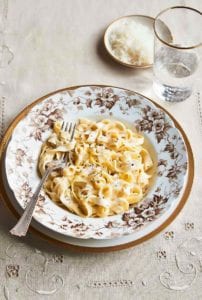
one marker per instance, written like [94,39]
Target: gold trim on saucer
[182,202]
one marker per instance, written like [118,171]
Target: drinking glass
[177,46]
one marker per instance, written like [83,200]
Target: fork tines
[70,128]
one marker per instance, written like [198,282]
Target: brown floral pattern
[24,193]
[21,158]
[153,120]
[145,212]
[44,117]
[106,99]
[94,101]
[20,154]
[40,203]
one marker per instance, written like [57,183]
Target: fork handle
[21,228]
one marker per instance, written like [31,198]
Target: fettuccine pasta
[108,169]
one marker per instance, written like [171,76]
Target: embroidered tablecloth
[47,45]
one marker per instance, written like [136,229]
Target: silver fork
[22,226]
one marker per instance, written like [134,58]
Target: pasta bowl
[173,161]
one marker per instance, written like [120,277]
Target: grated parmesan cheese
[132,43]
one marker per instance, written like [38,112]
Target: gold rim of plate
[132,66]
[187,189]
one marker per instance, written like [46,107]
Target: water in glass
[173,73]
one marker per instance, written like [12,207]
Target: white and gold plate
[173,158]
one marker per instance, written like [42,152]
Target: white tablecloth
[46,45]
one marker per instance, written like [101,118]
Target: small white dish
[146,23]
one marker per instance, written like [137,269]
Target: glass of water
[177,46]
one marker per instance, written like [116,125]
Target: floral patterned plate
[100,102]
